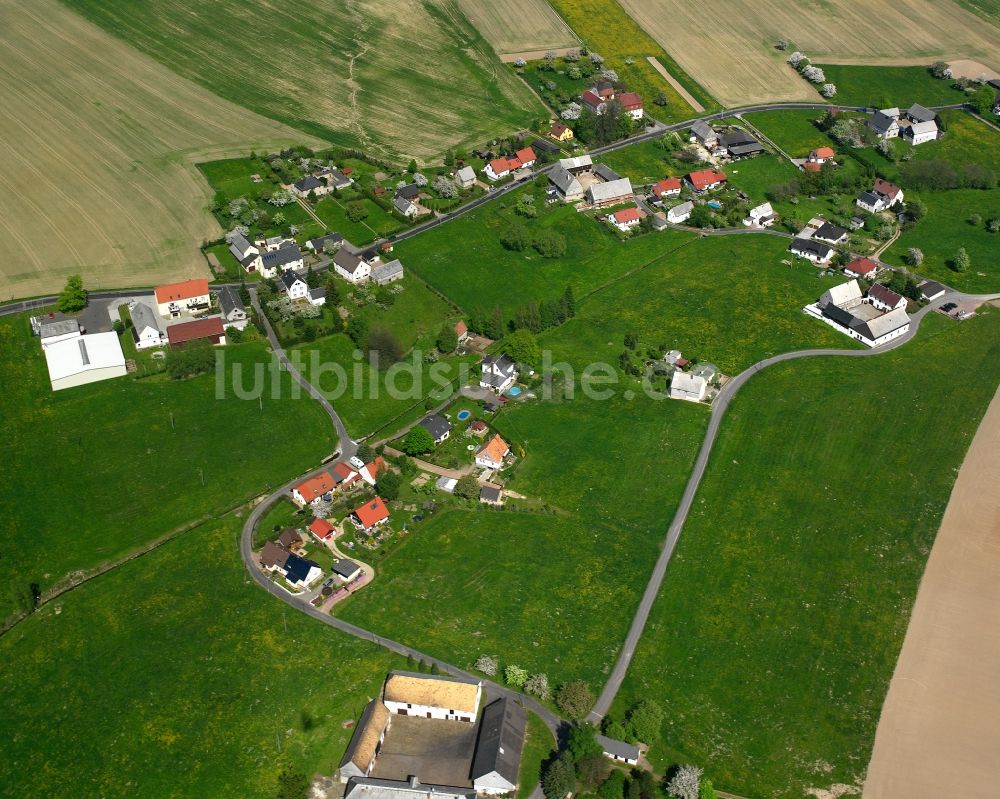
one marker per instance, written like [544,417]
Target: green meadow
[885,86]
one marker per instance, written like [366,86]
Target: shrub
[550,244]
[487,664]
[538,685]
[514,675]
[574,699]
[515,237]
[418,441]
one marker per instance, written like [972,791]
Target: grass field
[538,745]
[172,677]
[778,626]
[967,140]
[338,71]
[946,228]
[378,224]
[127,461]
[100,143]
[887,86]
[734,57]
[642,163]
[793,130]
[608,30]
[755,176]
[516,26]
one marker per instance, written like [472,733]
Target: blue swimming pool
[514,391]
[714,204]
[463,415]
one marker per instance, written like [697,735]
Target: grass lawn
[793,130]
[777,629]
[129,460]
[538,745]
[945,228]
[967,140]
[883,87]
[642,163]
[756,175]
[416,314]
[377,224]
[174,676]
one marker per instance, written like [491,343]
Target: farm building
[703,134]
[921,132]
[614,192]
[82,359]
[383,274]
[864,319]
[566,184]
[209,330]
[489,495]
[931,290]
[368,737]
[431,696]
[411,788]
[497,759]
[619,751]
[884,298]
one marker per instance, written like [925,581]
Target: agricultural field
[101,142]
[606,29]
[734,57]
[185,681]
[787,601]
[344,83]
[888,86]
[119,454]
[518,26]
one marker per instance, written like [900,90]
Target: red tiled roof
[822,152]
[347,170]
[628,215]
[185,290]
[316,486]
[706,177]
[862,266]
[590,98]
[460,328]
[342,472]
[558,129]
[191,331]
[630,101]
[668,184]
[885,188]
[885,294]
[526,156]
[372,512]
[376,467]
[321,528]
[500,165]
[495,449]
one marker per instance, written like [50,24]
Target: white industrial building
[85,359]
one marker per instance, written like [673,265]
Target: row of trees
[533,316]
[547,242]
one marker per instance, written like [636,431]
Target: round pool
[463,415]
[514,391]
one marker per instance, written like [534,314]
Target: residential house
[189,296]
[892,193]
[370,515]
[273,557]
[885,123]
[631,104]
[921,132]
[499,373]
[435,697]
[234,312]
[410,191]
[497,760]
[370,471]
[489,495]
[301,573]
[526,157]
[566,184]
[844,295]
[814,251]
[821,155]
[931,290]
[593,101]
[243,251]
[857,222]
[344,477]
[317,296]
[479,428]
[338,179]
[406,208]
[286,257]
[314,490]
[861,267]
[493,453]
[705,135]
[761,216]
[871,202]
[461,331]
[322,529]
[689,387]
[499,168]
[210,330]
[366,742]
[146,330]
[618,751]
[295,286]
[290,539]
[627,218]
[830,233]
[325,244]
[383,274]
[561,132]
[310,185]
[917,113]
[465,177]
[350,267]
[680,213]
[83,359]
[614,192]
[347,570]
[885,299]
[668,187]
[706,180]
[740,144]
[437,426]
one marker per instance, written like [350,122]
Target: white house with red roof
[312,491]
[821,155]
[668,187]
[370,471]
[322,529]
[461,331]
[493,453]
[344,476]
[861,267]
[173,299]
[499,168]
[627,218]
[706,180]
[631,104]
[370,515]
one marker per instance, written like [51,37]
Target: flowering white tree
[419,178]
[281,198]
[238,206]
[609,74]
[538,685]
[520,63]
[240,230]
[487,664]
[685,783]
[572,111]
[596,59]
[915,256]
[828,90]
[795,58]
[814,74]
[572,55]
[444,187]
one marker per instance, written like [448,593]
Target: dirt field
[972,69]
[938,734]
[734,57]
[99,143]
[514,26]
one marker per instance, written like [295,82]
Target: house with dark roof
[814,251]
[347,570]
[325,244]
[618,750]
[499,373]
[566,184]
[406,207]
[917,113]
[740,144]
[490,495]
[830,233]
[437,426]
[350,267]
[884,298]
[287,256]
[411,191]
[310,185]
[931,290]
[606,173]
[497,759]
[234,312]
[295,287]
[885,123]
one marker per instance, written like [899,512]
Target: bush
[515,237]
[644,720]
[575,699]
[613,787]
[418,441]
[356,211]
[196,358]
[514,675]
[487,664]
[550,244]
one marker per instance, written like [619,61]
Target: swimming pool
[463,415]
[714,204]
[514,391]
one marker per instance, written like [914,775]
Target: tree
[644,720]
[781,44]
[645,785]
[495,325]
[356,211]
[961,262]
[701,216]
[592,769]
[313,280]
[514,675]
[487,664]
[73,297]
[467,487]
[814,74]
[796,58]
[582,741]
[916,208]
[550,243]
[195,358]
[568,303]
[418,441]
[332,291]
[574,699]
[278,219]
[412,166]
[447,338]
[631,340]
[982,100]
[939,69]
[828,90]
[975,220]
[559,777]
[993,225]
[538,685]
[515,237]
[292,785]
[522,346]
[613,787]
[914,256]
[420,179]
[389,483]
[357,330]
[846,132]
[707,791]
[444,187]
[118,326]
[685,782]
[386,344]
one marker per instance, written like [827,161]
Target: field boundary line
[654,62]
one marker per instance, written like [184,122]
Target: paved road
[719,408]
